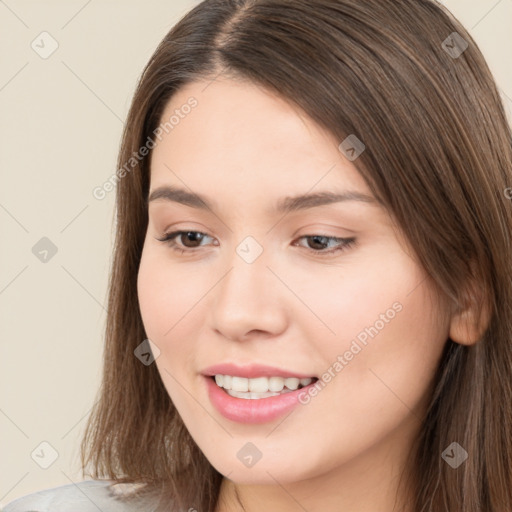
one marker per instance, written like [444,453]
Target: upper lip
[251,371]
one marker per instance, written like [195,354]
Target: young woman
[311,293]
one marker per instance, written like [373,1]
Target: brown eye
[191,237]
[190,240]
[320,241]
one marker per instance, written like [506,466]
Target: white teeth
[260,386]
[239,384]
[227,381]
[275,384]
[292,383]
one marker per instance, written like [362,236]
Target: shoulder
[86,496]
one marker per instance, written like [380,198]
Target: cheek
[385,325]
[172,312]
[389,355]
[166,293]
[150,290]
[406,352]
[162,302]
[360,300]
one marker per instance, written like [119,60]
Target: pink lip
[250,371]
[243,410]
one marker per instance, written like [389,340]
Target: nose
[249,301]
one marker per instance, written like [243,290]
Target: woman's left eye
[197,236]
[342,243]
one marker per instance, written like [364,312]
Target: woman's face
[321,289]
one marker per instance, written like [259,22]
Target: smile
[255,406]
[259,387]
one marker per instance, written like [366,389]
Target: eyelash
[346,243]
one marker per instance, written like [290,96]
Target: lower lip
[244,410]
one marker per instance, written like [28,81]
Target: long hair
[410,82]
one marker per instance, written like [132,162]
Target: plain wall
[60,127]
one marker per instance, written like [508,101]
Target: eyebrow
[285,205]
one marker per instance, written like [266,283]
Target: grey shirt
[86,496]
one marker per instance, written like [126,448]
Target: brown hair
[439,158]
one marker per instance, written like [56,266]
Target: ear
[470,319]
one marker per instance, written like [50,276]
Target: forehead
[241,139]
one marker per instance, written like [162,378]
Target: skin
[245,148]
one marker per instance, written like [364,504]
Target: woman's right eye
[170,239]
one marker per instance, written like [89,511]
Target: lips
[252,411]
[252,371]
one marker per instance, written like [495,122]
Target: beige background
[60,127]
